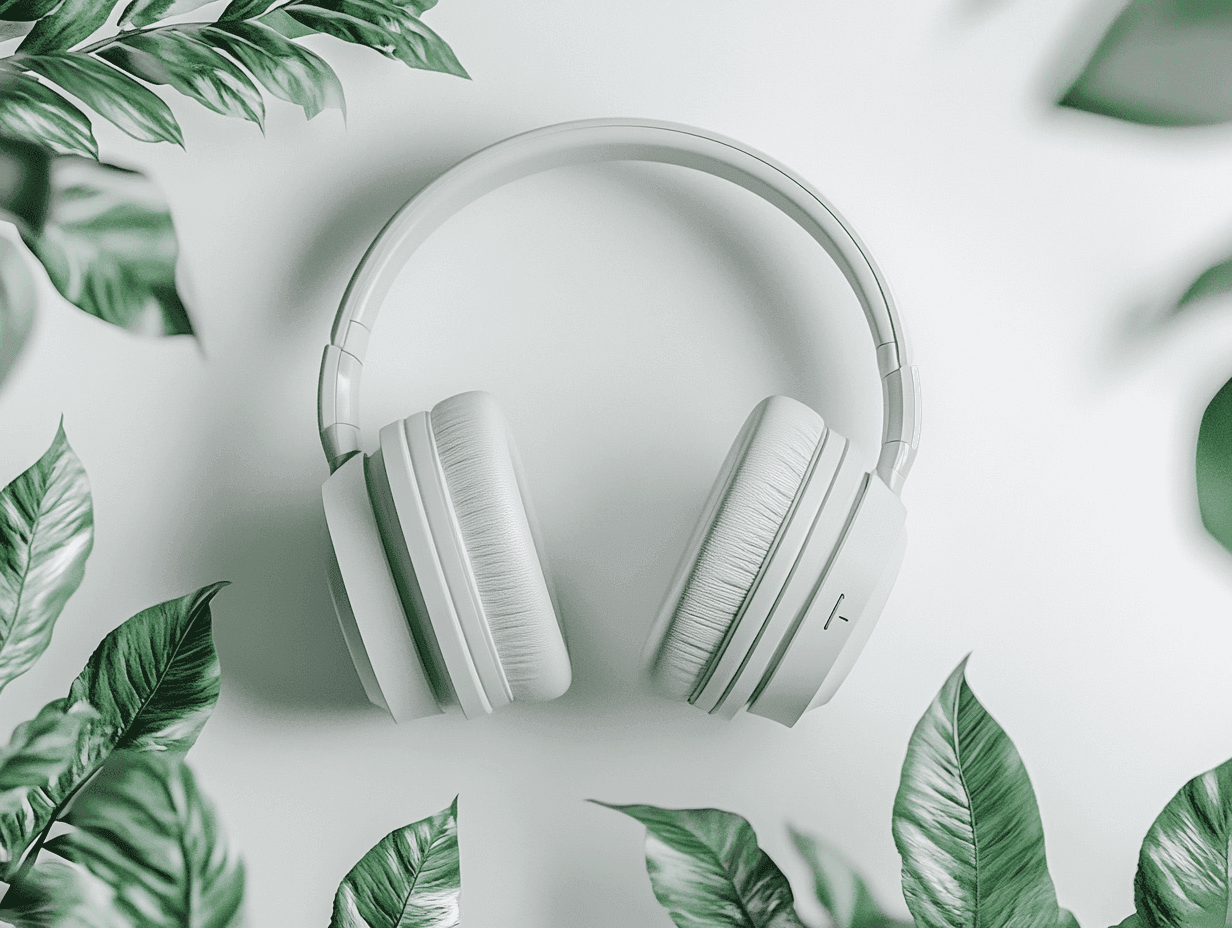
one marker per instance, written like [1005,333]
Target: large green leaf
[238,10]
[145,830]
[966,822]
[179,58]
[72,22]
[46,533]
[153,681]
[57,894]
[410,879]
[1213,466]
[1183,877]
[113,95]
[110,248]
[708,872]
[394,31]
[25,181]
[40,750]
[32,111]
[141,13]
[25,10]
[289,71]
[841,891]
[1163,63]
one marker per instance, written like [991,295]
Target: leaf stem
[37,845]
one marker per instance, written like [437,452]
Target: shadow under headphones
[436,573]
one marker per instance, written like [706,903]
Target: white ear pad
[744,514]
[477,459]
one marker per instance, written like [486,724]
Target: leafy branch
[218,63]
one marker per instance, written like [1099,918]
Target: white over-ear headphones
[436,574]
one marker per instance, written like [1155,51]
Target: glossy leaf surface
[179,58]
[110,248]
[40,750]
[966,822]
[46,533]
[153,681]
[1183,876]
[142,13]
[393,30]
[288,71]
[1213,466]
[841,891]
[113,95]
[32,111]
[73,21]
[1163,63]
[707,870]
[144,829]
[410,879]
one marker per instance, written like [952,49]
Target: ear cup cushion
[765,469]
[477,459]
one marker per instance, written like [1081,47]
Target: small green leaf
[1213,281]
[394,31]
[1213,466]
[142,13]
[32,111]
[179,58]
[410,879]
[841,891]
[57,894]
[145,830]
[72,22]
[153,682]
[708,872]
[1162,63]
[25,181]
[46,533]
[26,10]
[110,248]
[1183,874]
[289,71]
[40,750]
[114,96]
[966,822]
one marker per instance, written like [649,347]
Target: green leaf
[1131,922]
[1162,63]
[11,30]
[110,248]
[841,891]
[114,96]
[142,13]
[1183,876]
[966,822]
[57,894]
[25,10]
[72,22]
[46,533]
[410,879]
[17,302]
[708,872]
[1213,466]
[1213,281]
[25,181]
[238,10]
[145,829]
[153,682]
[289,71]
[179,58]
[284,25]
[392,30]
[32,111]
[40,750]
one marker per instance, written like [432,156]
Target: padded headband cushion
[767,465]
[472,440]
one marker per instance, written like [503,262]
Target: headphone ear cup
[743,516]
[481,473]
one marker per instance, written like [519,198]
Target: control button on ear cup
[475,452]
[744,515]
[367,602]
[842,609]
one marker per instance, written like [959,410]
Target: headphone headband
[613,140]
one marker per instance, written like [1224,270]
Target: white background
[628,318]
